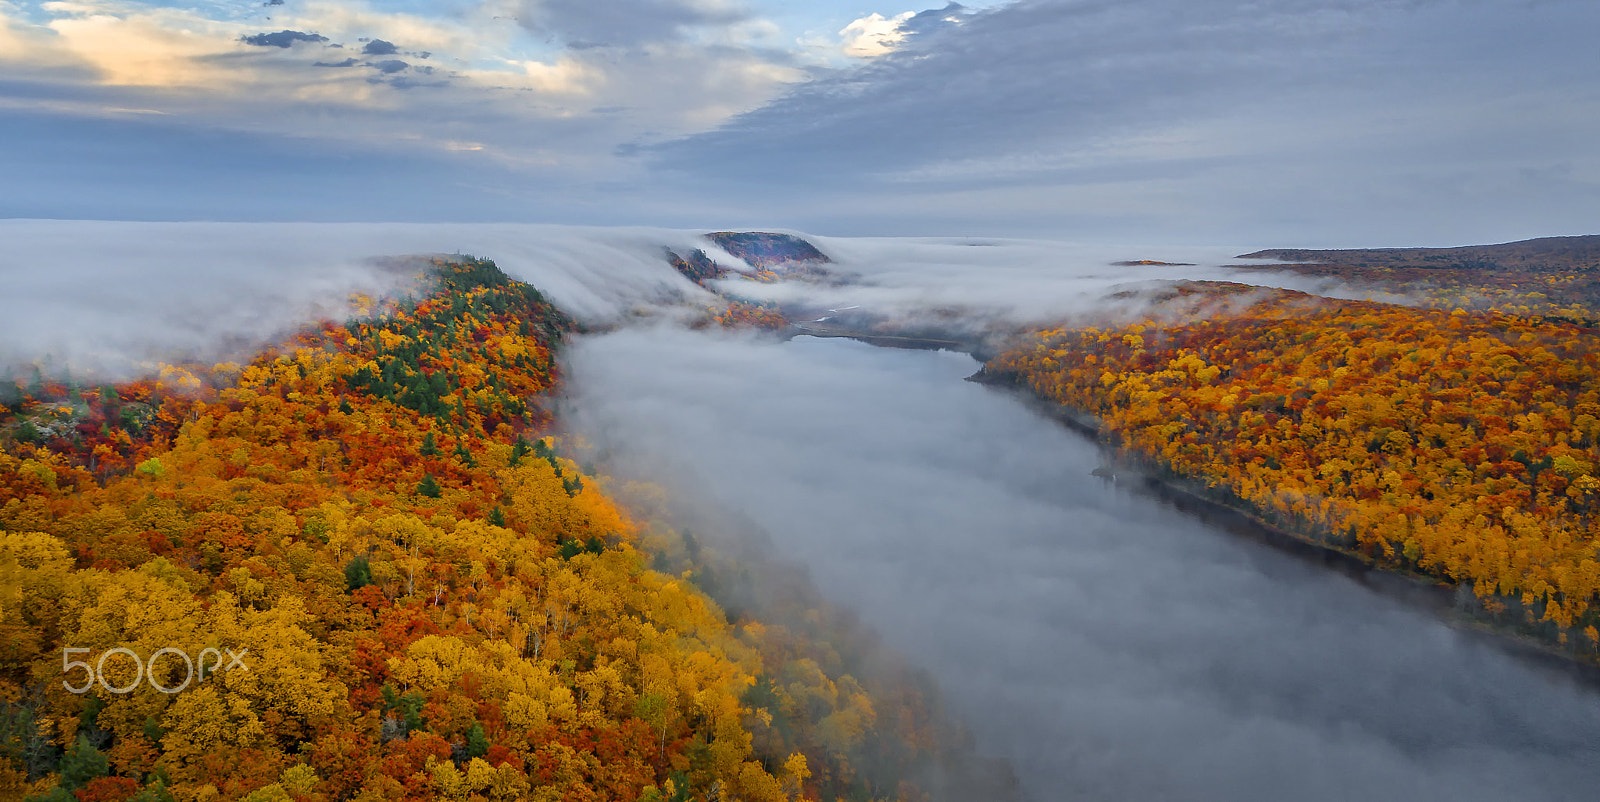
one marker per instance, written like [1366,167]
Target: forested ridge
[435,601]
[1458,445]
[1551,276]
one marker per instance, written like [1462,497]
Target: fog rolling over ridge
[112,297]
[1110,647]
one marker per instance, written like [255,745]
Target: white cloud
[873,35]
[24,43]
[117,46]
[567,76]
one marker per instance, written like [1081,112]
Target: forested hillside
[1555,276]
[426,599]
[1459,445]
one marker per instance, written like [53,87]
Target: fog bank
[107,296]
[1019,281]
[1110,647]
[111,297]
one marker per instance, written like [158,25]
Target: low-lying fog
[1110,647]
[111,297]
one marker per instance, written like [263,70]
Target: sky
[1314,123]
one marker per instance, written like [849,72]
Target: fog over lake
[1109,646]
[111,299]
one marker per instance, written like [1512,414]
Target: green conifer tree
[82,764]
[429,486]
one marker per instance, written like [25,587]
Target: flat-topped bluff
[763,249]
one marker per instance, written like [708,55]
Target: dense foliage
[435,603]
[1460,445]
[746,314]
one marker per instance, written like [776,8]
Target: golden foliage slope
[1463,446]
[434,605]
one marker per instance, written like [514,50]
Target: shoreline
[1453,605]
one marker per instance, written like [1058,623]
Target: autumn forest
[1459,446]
[370,563]
[435,600]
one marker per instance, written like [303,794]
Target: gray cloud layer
[1110,647]
[1300,123]
[282,39]
[1199,118]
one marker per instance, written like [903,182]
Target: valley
[764,517]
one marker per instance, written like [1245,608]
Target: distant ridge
[1545,253]
[1550,276]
